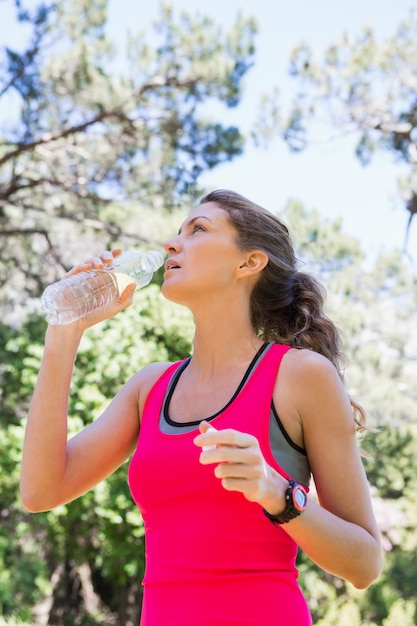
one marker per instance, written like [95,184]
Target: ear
[253,262]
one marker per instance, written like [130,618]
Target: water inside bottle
[81,293]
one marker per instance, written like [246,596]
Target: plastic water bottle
[73,297]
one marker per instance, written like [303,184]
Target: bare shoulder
[303,362]
[321,408]
[310,375]
[310,396]
[141,383]
[152,371]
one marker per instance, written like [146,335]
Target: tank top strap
[255,398]
[266,371]
[157,392]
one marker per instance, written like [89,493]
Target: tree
[98,140]
[83,562]
[93,137]
[87,558]
[367,88]
[91,141]
[376,308]
[360,86]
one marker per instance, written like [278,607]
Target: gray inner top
[291,457]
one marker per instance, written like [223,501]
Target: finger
[97,262]
[226,454]
[87,265]
[82,267]
[205,426]
[207,448]
[239,471]
[238,484]
[226,437]
[203,439]
[126,296]
[252,490]
[106,259]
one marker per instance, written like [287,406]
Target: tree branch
[156,82]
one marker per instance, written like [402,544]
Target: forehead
[209,211]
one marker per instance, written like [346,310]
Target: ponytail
[287,306]
[302,323]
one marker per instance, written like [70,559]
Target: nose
[172,245]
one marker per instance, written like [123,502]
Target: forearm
[337,546]
[45,445]
[346,549]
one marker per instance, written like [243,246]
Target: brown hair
[287,306]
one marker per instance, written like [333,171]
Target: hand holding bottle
[99,288]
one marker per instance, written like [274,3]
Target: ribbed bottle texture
[73,297]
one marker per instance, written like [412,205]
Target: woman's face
[203,257]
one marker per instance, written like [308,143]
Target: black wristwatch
[295,504]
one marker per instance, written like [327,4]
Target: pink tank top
[212,557]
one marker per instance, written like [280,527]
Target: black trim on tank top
[178,373]
[284,432]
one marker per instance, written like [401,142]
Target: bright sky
[327,176]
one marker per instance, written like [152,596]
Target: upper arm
[321,407]
[101,447]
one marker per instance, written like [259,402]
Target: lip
[171,264]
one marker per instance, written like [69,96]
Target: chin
[171,293]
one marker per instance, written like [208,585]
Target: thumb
[126,296]
[204,427]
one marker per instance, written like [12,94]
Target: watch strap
[290,511]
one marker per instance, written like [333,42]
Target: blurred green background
[105,145]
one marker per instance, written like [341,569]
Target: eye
[197,227]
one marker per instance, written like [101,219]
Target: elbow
[33,509]
[32,501]
[363,582]
[369,573]
[30,504]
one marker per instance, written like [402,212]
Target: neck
[224,337]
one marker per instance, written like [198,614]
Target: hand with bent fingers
[104,261]
[241,466]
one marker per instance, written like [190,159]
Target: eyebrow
[192,220]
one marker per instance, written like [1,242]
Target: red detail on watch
[295,504]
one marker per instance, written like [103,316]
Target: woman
[227,438]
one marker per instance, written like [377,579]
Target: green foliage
[402,612]
[100,153]
[322,246]
[377,309]
[19,587]
[102,146]
[103,530]
[345,614]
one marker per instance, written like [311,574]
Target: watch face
[299,498]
